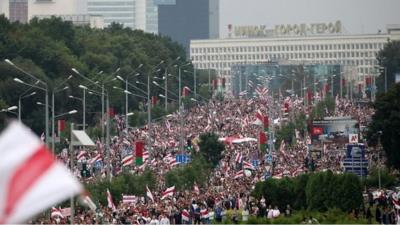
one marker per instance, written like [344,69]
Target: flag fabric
[185,215]
[265,121]
[242,93]
[87,201]
[396,200]
[129,199]
[61,127]
[110,201]
[262,139]
[169,192]
[238,158]
[127,160]
[139,146]
[82,155]
[28,173]
[185,91]
[96,158]
[204,213]
[239,174]
[173,162]
[248,166]
[56,213]
[259,118]
[145,155]
[149,194]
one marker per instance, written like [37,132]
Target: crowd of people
[226,194]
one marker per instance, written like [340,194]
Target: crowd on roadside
[226,194]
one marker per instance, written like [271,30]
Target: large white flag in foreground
[31,180]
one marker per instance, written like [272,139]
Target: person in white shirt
[154,221]
[245,214]
[164,220]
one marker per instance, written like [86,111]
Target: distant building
[320,43]
[136,14]
[68,10]
[185,20]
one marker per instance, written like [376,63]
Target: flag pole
[71,150]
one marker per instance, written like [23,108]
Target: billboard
[334,129]
[355,161]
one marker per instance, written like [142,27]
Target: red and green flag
[262,140]
[266,123]
[61,128]
[139,145]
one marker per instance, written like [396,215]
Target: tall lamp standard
[149,103]
[126,89]
[22,96]
[45,89]
[104,92]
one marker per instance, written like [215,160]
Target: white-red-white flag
[239,174]
[31,180]
[169,192]
[149,194]
[110,202]
[185,215]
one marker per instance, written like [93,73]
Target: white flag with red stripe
[149,194]
[127,160]
[169,192]
[30,179]
[56,213]
[185,215]
[239,174]
[110,201]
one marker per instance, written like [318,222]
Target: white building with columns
[353,50]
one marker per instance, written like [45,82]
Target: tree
[387,121]
[211,148]
[389,59]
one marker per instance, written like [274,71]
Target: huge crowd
[227,189]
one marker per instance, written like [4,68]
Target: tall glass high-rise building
[136,14]
[185,20]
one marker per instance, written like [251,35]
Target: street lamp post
[104,92]
[45,89]
[20,102]
[84,88]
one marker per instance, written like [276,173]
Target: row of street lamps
[41,85]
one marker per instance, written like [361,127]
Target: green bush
[184,177]
[387,179]
[211,148]
[315,192]
[124,184]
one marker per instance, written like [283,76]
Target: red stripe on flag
[25,176]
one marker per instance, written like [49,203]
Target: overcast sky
[357,16]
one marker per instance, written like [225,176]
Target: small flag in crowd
[127,160]
[149,194]
[56,213]
[262,139]
[129,199]
[238,158]
[204,213]
[110,202]
[248,166]
[185,215]
[169,192]
[27,175]
[139,146]
[239,174]
[82,155]
[86,200]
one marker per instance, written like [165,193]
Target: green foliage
[388,180]
[315,192]
[389,58]
[387,120]
[323,108]
[49,48]
[124,184]
[287,131]
[184,177]
[211,148]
